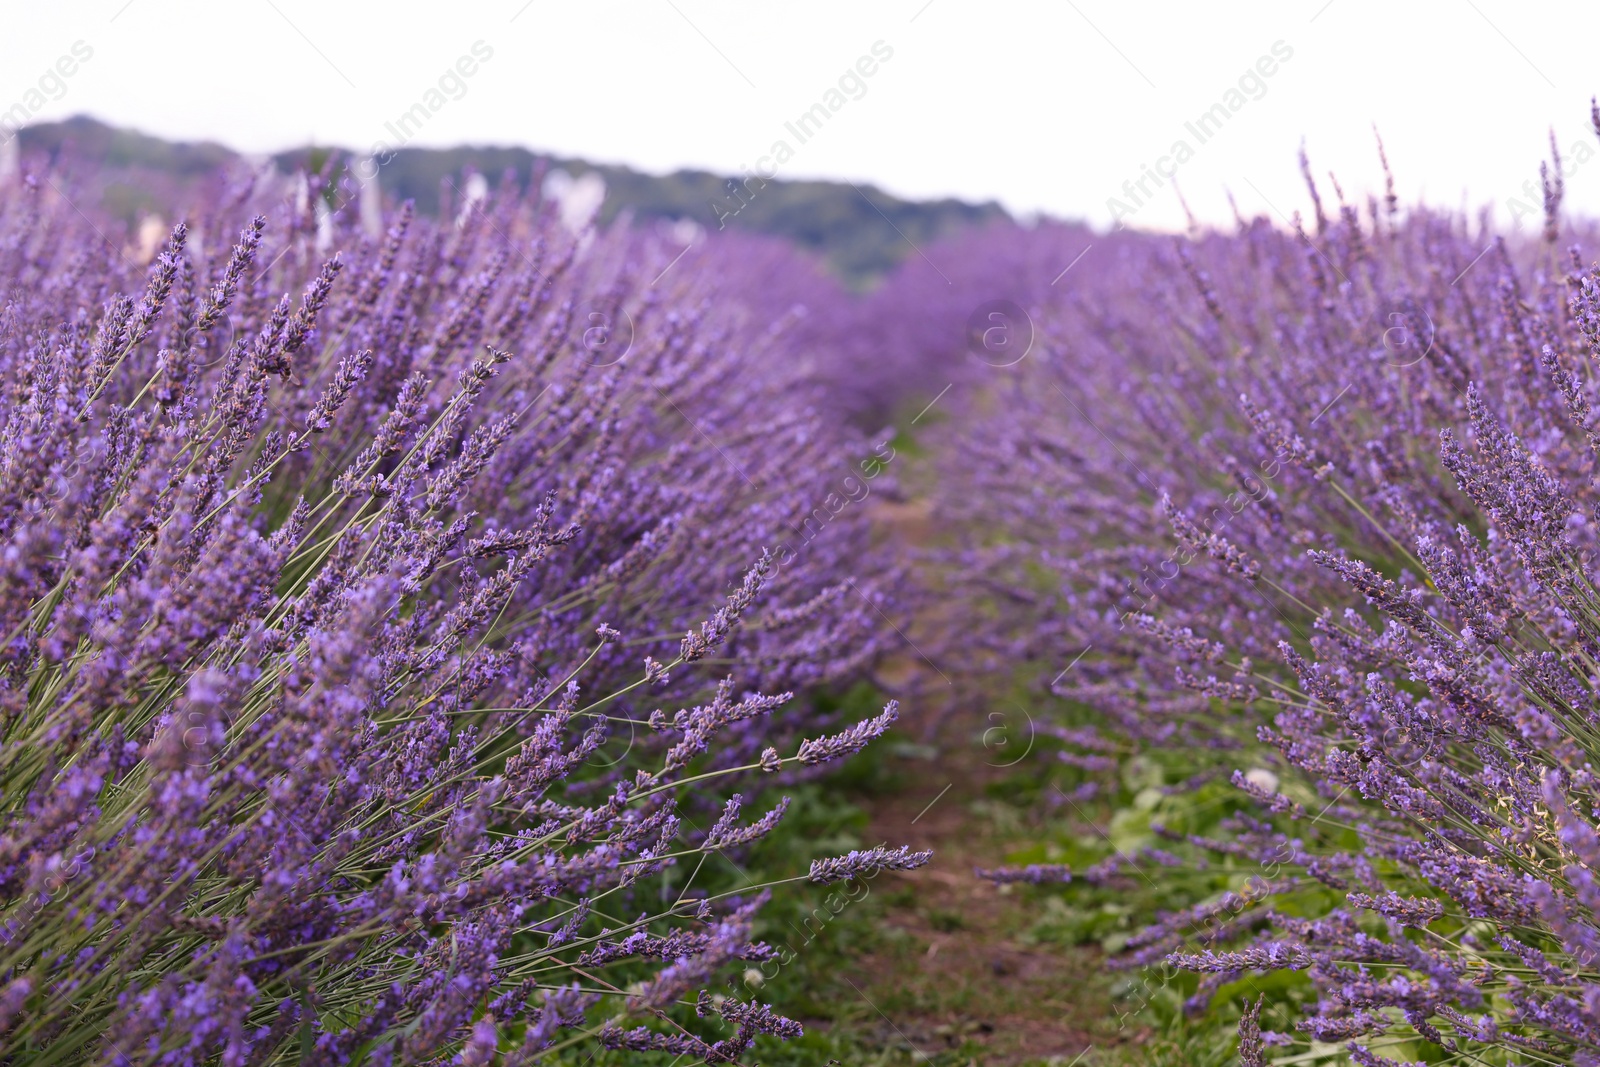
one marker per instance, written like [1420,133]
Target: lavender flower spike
[1033,873]
[1250,1051]
[864,863]
[852,740]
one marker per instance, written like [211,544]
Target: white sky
[1045,107]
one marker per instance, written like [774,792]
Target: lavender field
[518,622]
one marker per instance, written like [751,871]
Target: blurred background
[1087,110]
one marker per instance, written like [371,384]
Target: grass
[925,967]
[939,967]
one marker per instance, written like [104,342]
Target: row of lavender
[1318,507]
[360,643]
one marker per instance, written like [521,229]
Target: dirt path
[957,973]
[956,978]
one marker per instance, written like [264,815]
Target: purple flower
[324,728]
[866,863]
[853,740]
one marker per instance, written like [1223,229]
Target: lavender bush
[386,613]
[360,645]
[1317,510]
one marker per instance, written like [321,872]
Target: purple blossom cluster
[1319,503]
[367,608]
[378,615]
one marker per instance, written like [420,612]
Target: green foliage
[114,147]
[823,820]
[855,231]
[861,232]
